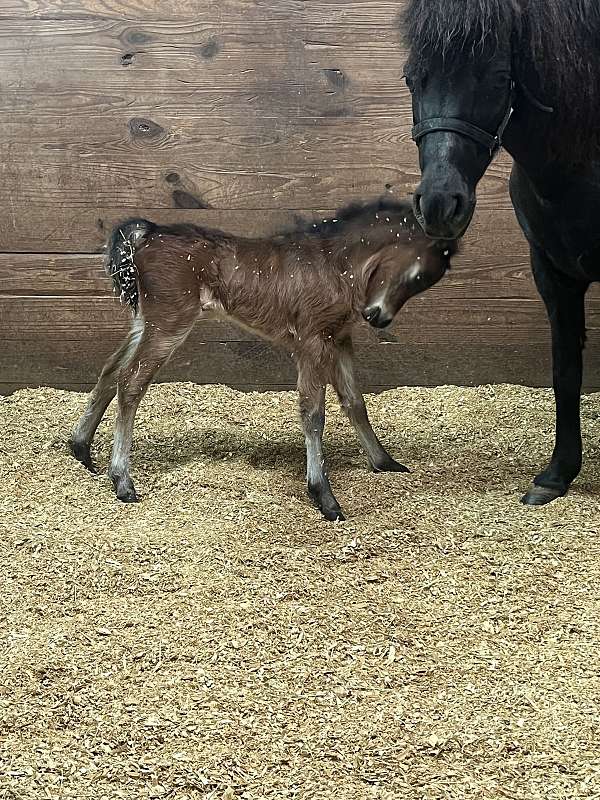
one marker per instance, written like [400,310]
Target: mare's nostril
[417,205]
[460,204]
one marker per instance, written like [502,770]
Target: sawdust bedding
[220,640]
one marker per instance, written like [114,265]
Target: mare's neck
[526,140]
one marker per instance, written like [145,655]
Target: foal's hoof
[125,491]
[128,496]
[333,514]
[542,495]
[82,453]
[390,466]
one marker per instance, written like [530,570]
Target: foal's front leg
[312,413]
[352,402]
[565,303]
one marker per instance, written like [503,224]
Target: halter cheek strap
[491,142]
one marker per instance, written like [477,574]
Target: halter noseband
[491,142]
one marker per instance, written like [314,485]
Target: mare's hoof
[390,466]
[82,453]
[542,495]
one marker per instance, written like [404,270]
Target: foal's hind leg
[312,413]
[353,403]
[101,397]
[154,350]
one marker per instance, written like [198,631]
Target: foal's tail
[122,245]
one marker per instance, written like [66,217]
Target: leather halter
[491,141]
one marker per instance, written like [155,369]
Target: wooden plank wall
[241,114]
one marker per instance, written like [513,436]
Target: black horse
[524,74]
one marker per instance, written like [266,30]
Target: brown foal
[303,290]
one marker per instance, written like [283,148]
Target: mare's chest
[565,223]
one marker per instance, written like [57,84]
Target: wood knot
[138,37]
[336,78]
[144,128]
[210,48]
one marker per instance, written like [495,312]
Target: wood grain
[474,276]
[242,115]
[366,12]
[290,109]
[243,364]
[62,228]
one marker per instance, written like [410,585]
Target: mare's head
[460,76]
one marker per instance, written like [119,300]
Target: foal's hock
[303,290]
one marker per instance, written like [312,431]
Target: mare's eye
[410,82]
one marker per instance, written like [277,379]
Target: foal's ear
[371,263]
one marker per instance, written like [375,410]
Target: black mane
[555,42]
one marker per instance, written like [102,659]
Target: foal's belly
[217,313]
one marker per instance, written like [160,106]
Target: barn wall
[241,114]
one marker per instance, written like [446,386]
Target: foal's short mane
[357,214]
[558,39]
[352,215]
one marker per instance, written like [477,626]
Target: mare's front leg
[565,303]
[352,402]
[312,413]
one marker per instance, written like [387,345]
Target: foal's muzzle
[376,317]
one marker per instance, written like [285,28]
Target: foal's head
[399,272]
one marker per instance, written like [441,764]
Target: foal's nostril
[371,314]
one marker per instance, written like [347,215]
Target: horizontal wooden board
[425,320]
[243,364]
[80,174]
[363,11]
[277,103]
[475,275]
[68,229]
[230,53]
[484,324]
[429,319]
[61,228]
[169,154]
